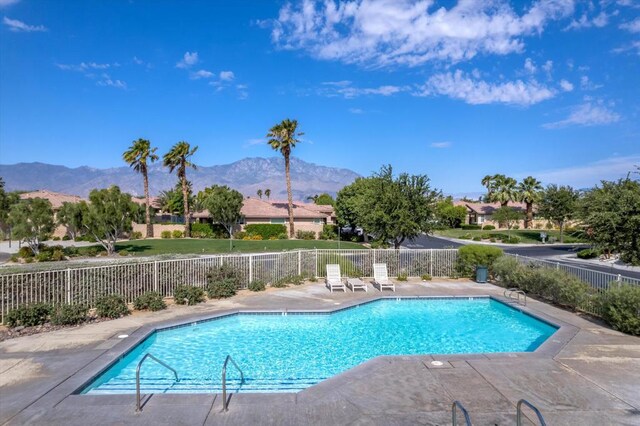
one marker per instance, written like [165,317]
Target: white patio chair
[381,277]
[334,280]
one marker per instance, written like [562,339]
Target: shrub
[92,252]
[305,235]
[222,281]
[165,234]
[253,237]
[256,285]
[329,232]
[136,235]
[69,315]
[473,255]
[111,306]
[516,227]
[621,308]
[588,254]
[240,235]
[283,236]
[488,227]
[43,256]
[485,236]
[14,258]
[477,238]
[66,238]
[465,237]
[511,240]
[149,300]
[470,227]
[188,295]
[493,240]
[221,289]
[549,225]
[426,277]
[28,315]
[176,234]
[285,281]
[265,230]
[57,255]
[123,253]
[55,239]
[402,276]
[25,252]
[209,230]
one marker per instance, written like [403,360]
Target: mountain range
[246,175]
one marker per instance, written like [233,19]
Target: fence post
[619,280]
[431,262]
[299,262]
[316,251]
[557,265]
[155,276]
[250,268]
[68,286]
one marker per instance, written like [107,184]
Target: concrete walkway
[591,377]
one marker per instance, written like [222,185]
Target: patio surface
[587,375]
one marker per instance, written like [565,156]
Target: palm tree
[138,156]
[178,159]
[529,192]
[259,192]
[313,198]
[501,189]
[267,193]
[283,137]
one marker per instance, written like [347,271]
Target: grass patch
[200,246]
[528,236]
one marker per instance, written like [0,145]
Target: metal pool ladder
[454,414]
[225,403]
[535,410]
[144,358]
[509,294]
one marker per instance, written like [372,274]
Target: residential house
[481,213]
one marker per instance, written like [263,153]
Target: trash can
[482,272]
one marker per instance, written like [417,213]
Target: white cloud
[632,26]
[341,83]
[598,21]
[406,32]
[440,145]
[19,26]
[587,175]
[459,86]
[548,66]
[105,80]
[633,46]
[356,111]
[188,60]
[87,66]
[346,90]
[226,75]
[566,85]
[586,84]
[4,3]
[201,74]
[588,114]
[529,66]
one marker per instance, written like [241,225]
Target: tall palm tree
[283,137]
[178,158]
[138,156]
[501,189]
[529,192]
[259,192]
[267,193]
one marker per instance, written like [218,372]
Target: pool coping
[77,382]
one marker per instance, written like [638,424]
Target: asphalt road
[542,251]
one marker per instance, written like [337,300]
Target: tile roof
[489,208]
[255,208]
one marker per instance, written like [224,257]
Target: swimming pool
[288,353]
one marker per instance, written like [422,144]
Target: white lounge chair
[381,277]
[334,280]
[357,283]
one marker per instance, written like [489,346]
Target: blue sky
[455,90]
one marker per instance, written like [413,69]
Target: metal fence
[130,280]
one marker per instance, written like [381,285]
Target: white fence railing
[130,280]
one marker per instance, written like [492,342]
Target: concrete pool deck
[589,376]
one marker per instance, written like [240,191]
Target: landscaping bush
[123,253]
[14,258]
[470,227]
[69,315]
[149,300]
[253,237]
[516,227]
[55,239]
[176,234]
[426,277]
[329,232]
[285,281]
[28,315]
[223,281]
[282,236]
[511,240]
[25,252]
[472,255]
[485,236]
[136,235]
[43,256]
[92,252]
[477,238]
[402,276]
[621,308]
[66,238]
[111,306]
[265,230]
[488,227]
[257,285]
[588,254]
[305,235]
[209,230]
[465,237]
[165,234]
[57,255]
[188,295]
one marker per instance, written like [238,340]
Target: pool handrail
[225,403]
[509,291]
[162,363]
[535,410]
[454,413]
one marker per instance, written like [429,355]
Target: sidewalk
[615,265]
[489,243]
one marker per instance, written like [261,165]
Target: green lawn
[528,236]
[200,246]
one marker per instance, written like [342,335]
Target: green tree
[7,199]
[178,158]
[32,222]
[283,137]
[507,215]
[109,215]
[449,215]
[393,209]
[172,200]
[138,156]
[267,193]
[611,214]
[558,204]
[324,199]
[500,189]
[224,205]
[530,192]
[71,215]
[259,193]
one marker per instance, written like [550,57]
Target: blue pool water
[280,353]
